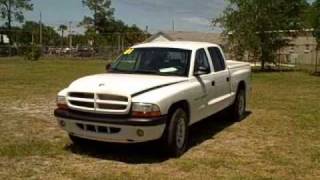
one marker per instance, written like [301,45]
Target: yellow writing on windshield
[128,51]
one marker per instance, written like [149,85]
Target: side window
[217,59]
[201,60]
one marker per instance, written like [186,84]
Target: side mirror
[108,67]
[201,71]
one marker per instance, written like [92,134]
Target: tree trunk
[262,64]
[316,64]
[264,53]
[264,58]
[62,36]
[9,27]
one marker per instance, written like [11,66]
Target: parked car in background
[154,91]
[66,50]
[85,52]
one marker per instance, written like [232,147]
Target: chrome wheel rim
[181,131]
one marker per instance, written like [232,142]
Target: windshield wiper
[146,72]
[116,70]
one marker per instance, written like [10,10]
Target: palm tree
[62,28]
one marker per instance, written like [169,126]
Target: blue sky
[188,15]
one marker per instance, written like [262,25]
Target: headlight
[62,102]
[145,110]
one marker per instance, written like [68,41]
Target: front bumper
[110,129]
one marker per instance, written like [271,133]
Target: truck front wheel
[176,134]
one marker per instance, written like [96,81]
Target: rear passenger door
[220,92]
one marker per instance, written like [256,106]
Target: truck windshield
[155,61]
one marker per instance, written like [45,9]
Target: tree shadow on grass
[152,152]
[316,73]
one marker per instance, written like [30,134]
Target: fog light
[62,123]
[140,132]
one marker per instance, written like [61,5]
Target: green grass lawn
[280,138]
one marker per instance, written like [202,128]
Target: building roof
[154,36]
[210,37]
[176,44]
[303,37]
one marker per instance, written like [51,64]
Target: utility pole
[95,23]
[32,48]
[95,16]
[40,29]
[70,35]
[173,25]
[317,53]
[32,38]
[119,42]
[122,42]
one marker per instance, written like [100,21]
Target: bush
[6,51]
[32,53]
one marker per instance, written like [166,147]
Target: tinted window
[201,59]
[217,59]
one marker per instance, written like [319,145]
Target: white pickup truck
[154,91]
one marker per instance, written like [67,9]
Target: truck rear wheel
[176,134]
[238,109]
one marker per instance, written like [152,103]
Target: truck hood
[121,84]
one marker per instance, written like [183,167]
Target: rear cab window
[217,59]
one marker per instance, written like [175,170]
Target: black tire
[77,140]
[238,109]
[176,134]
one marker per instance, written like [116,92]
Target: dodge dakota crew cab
[154,91]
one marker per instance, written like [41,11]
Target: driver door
[203,84]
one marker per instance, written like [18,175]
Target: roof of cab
[189,45]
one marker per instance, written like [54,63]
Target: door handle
[213,83]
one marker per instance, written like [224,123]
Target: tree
[102,13]
[13,10]
[257,26]
[62,28]
[50,36]
[80,40]
[104,29]
[314,21]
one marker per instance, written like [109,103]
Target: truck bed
[236,64]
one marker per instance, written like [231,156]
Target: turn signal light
[61,102]
[145,110]
[62,106]
[146,114]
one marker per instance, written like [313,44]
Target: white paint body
[203,99]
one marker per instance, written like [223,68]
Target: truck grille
[82,104]
[82,95]
[101,103]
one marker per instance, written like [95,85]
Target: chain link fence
[104,46]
